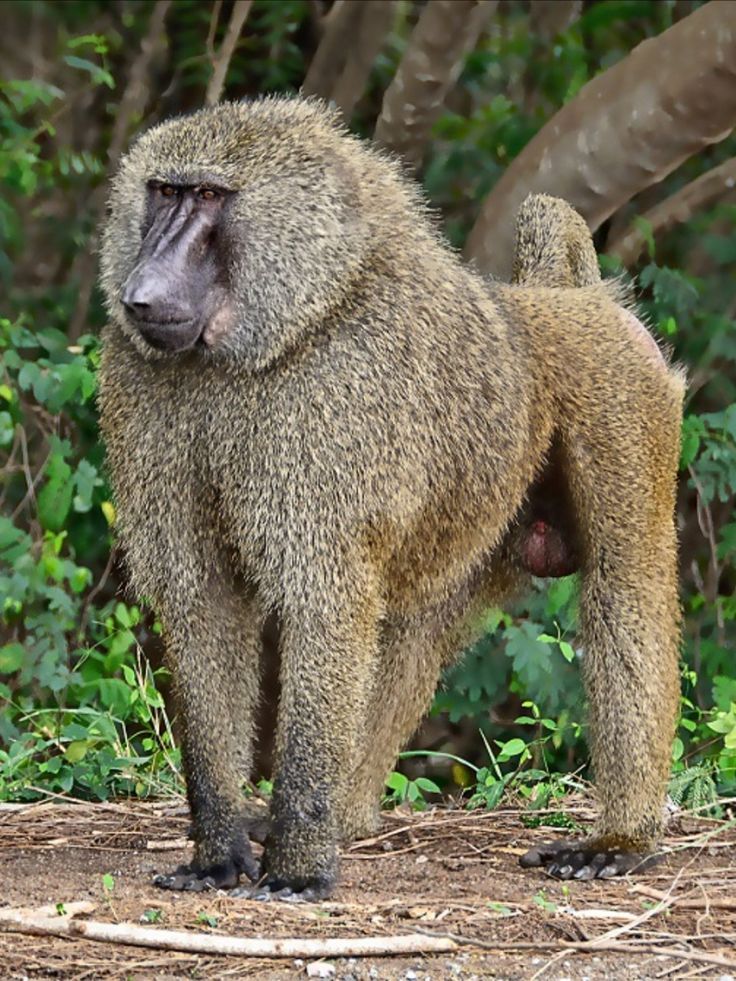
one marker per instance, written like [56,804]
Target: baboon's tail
[553,245]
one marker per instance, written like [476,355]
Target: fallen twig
[686,902]
[592,946]
[168,845]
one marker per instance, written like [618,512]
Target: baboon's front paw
[279,889]
[193,878]
[200,876]
[585,859]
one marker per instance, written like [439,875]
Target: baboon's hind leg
[409,669]
[624,501]
[413,656]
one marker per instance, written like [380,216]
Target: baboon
[315,413]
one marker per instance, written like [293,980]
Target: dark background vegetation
[485,101]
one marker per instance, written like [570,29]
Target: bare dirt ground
[446,872]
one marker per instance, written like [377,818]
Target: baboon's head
[234,230]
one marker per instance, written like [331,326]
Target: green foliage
[81,714]
[403,790]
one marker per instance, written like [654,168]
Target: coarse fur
[350,455]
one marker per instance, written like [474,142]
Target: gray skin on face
[315,414]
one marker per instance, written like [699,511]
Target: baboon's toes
[585,859]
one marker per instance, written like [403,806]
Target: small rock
[320,969]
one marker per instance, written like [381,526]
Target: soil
[442,872]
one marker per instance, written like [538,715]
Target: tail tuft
[553,245]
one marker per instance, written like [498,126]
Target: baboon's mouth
[171,335]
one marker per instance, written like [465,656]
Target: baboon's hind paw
[585,859]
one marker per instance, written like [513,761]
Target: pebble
[320,969]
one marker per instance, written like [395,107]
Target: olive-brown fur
[350,457]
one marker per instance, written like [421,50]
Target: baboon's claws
[585,859]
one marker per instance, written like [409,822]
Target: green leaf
[427,785]
[100,76]
[567,651]
[122,615]
[514,747]
[7,429]
[114,694]
[86,478]
[55,497]
[75,752]
[397,782]
[11,658]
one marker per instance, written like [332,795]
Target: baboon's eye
[168,190]
[207,194]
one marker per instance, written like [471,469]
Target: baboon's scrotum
[313,409]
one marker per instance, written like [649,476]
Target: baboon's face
[177,295]
[232,231]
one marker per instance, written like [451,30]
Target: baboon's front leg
[212,649]
[328,651]
[630,621]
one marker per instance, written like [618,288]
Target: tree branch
[375,22]
[548,18]
[221,61]
[675,210]
[341,26]
[446,32]
[626,129]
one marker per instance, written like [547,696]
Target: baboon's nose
[161,312]
[148,298]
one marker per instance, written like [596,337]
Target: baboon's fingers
[585,859]
[191,878]
[266,892]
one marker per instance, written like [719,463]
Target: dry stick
[675,210]
[35,924]
[97,589]
[132,104]
[447,31]
[686,902]
[221,61]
